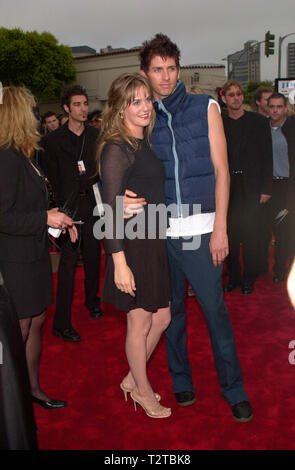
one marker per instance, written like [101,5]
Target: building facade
[203,78]
[95,72]
[291,60]
[244,65]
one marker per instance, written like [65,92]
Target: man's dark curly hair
[47,115]
[69,92]
[159,45]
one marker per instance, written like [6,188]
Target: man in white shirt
[188,137]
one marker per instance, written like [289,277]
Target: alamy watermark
[292,353]
[150,223]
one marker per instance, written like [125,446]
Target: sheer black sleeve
[114,164]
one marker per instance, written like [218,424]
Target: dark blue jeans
[197,267]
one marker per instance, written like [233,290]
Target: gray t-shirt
[280,152]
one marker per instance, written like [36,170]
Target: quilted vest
[180,139]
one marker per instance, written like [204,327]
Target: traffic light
[269,44]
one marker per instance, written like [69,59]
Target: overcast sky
[205,31]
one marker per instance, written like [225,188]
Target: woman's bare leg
[160,321]
[139,323]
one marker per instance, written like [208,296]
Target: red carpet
[87,375]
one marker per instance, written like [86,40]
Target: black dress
[144,242]
[17,424]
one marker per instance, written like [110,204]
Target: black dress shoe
[185,398]
[242,412]
[278,278]
[96,312]
[68,334]
[247,287]
[231,286]
[50,404]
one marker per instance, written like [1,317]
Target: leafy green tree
[36,61]
[251,88]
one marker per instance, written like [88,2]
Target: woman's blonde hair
[18,124]
[121,94]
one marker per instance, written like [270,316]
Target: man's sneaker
[242,412]
[185,398]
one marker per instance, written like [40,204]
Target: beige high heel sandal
[161,412]
[129,390]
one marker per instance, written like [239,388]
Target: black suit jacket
[288,130]
[23,206]
[59,162]
[255,153]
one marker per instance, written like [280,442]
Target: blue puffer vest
[180,139]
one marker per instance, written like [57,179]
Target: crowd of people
[227,172]
[50,121]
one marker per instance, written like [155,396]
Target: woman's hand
[123,276]
[73,232]
[124,280]
[58,219]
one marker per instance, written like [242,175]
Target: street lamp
[281,39]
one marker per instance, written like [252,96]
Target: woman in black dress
[24,255]
[17,424]
[137,274]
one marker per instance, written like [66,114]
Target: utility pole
[281,39]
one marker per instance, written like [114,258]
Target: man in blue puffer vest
[188,137]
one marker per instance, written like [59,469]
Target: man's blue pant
[197,267]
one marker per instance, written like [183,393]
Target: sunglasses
[232,94]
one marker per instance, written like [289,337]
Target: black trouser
[91,251]
[264,240]
[242,229]
[281,230]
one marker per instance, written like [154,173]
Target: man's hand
[218,247]
[132,204]
[264,198]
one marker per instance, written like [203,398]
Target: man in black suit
[70,164]
[261,96]
[282,201]
[288,130]
[50,122]
[250,162]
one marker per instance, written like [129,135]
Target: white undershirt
[197,224]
